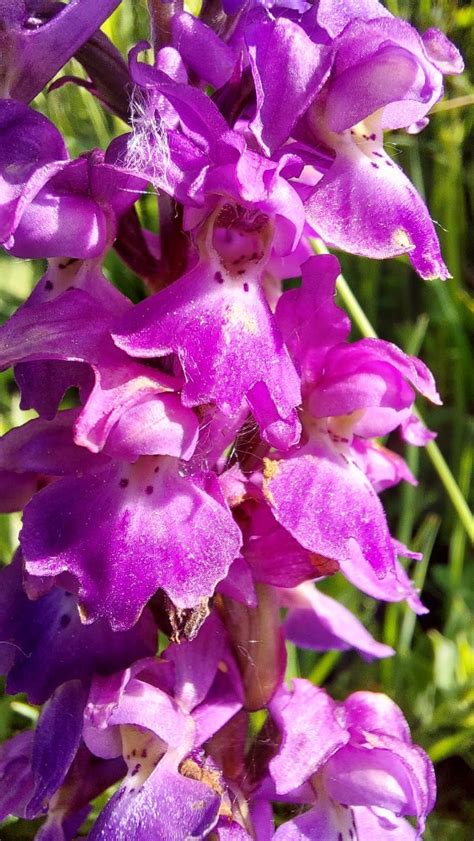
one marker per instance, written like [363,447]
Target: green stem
[437,459]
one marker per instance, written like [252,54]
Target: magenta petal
[196,663]
[311,734]
[34,54]
[32,150]
[367,206]
[382,467]
[15,766]
[324,821]
[157,425]
[393,74]
[202,50]
[441,52]
[43,384]
[334,16]
[57,739]
[167,807]
[330,507]
[274,556]
[46,447]
[308,317]
[394,587]
[388,773]
[320,623]
[283,97]
[126,531]
[373,711]
[377,823]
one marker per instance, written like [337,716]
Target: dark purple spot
[366,137]
[351,834]
[352,131]
[136,769]
[389,163]
[373,137]
[123,483]
[48,285]
[375,166]
[218,277]
[339,836]
[157,469]
[144,753]
[134,753]
[241,271]
[149,490]
[378,154]
[65,620]
[246,287]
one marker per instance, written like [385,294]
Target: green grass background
[432,675]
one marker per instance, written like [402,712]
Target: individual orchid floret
[75,327]
[157,715]
[278,558]
[383,75]
[51,206]
[38,38]
[216,317]
[357,761]
[318,492]
[127,502]
[369,384]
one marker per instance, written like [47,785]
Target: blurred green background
[432,675]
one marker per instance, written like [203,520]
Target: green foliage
[432,675]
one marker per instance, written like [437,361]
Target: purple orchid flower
[356,762]
[318,492]
[371,73]
[51,206]
[157,715]
[240,208]
[277,558]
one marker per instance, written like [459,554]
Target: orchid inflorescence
[222,452]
